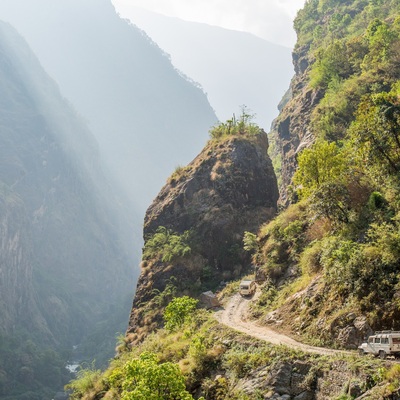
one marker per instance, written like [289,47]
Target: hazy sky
[269,19]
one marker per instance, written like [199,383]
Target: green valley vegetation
[29,371]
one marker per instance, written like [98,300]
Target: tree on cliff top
[242,126]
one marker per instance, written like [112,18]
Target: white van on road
[247,288]
[382,344]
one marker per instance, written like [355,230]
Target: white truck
[382,344]
[247,288]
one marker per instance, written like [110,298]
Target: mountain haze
[234,68]
[66,259]
[139,108]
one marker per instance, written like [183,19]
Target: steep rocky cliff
[291,132]
[17,297]
[229,188]
[65,263]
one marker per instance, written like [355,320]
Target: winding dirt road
[234,315]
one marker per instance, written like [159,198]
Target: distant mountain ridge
[139,108]
[234,68]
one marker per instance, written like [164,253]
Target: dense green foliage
[319,166]
[144,378]
[166,245]
[178,312]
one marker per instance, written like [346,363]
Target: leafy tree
[380,37]
[144,378]
[179,312]
[376,132]
[321,164]
[331,200]
[331,63]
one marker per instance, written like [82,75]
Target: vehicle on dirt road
[382,344]
[247,288]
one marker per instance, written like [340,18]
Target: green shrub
[86,379]
[321,164]
[179,173]
[179,312]
[310,258]
[166,245]
[250,242]
[144,378]
[232,127]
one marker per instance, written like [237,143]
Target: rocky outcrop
[350,330]
[228,189]
[292,131]
[285,381]
[305,380]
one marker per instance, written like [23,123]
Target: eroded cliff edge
[229,188]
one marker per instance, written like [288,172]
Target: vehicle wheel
[382,354]
[361,352]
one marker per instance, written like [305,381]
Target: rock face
[291,130]
[351,330]
[62,261]
[285,381]
[17,300]
[228,189]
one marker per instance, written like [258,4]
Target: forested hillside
[342,230]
